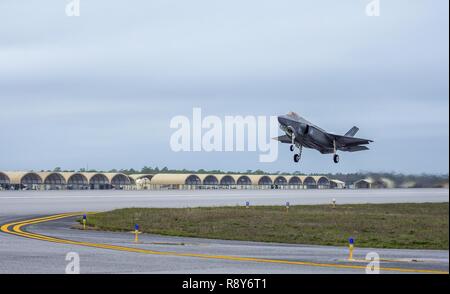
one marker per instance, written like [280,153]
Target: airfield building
[119,181]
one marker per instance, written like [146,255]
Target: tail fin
[352,132]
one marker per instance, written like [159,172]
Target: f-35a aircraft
[301,133]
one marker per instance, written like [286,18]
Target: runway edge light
[136,233]
[288,205]
[351,248]
[84,221]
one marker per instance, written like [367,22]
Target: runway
[40,253]
[52,202]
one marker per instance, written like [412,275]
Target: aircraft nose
[282,120]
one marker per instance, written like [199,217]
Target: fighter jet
[301,133]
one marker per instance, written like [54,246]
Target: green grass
[372,225]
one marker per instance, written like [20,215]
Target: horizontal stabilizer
[352,132]
[354,148]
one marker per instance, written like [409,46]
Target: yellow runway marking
[17,230]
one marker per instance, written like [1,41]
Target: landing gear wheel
[336,158]
[292,148]
[296,158]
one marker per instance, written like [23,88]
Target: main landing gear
[335,157]
[298,156]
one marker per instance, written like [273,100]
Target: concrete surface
[48,202]
[22,255]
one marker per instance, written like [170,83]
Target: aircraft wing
[284,139]
[346,142]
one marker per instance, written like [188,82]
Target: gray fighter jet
[301,133]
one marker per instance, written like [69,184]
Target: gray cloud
[101,88]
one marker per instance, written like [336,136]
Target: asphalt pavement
[164,254]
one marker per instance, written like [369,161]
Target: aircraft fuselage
[302,133]
[306,134]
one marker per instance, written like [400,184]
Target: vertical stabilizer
[352,132]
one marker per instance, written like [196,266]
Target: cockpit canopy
[293,115]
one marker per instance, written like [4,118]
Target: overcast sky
[99,90]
